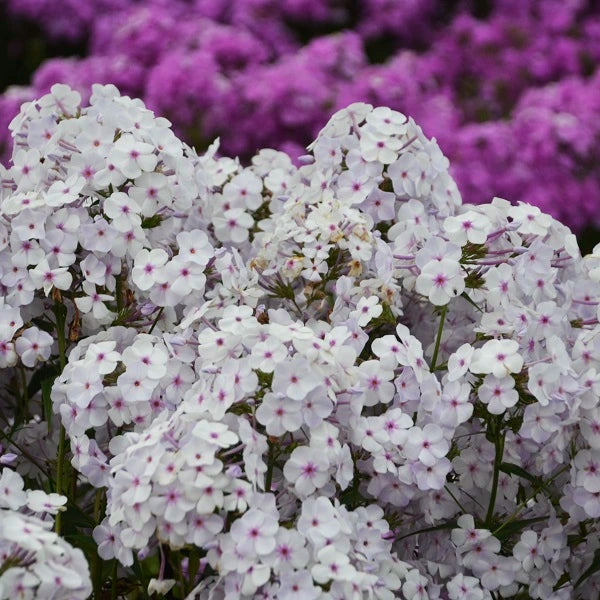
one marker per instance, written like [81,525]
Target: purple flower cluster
[546,153]
[509,95]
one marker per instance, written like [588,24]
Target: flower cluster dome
[325,381]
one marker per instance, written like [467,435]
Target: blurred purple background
[510,88]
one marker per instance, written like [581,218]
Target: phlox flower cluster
[491,81]
[90,193]
[325,381]
[35,562]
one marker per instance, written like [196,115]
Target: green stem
[25,453]
[73,482]
[300,313]
[96,563]
[193,566]
[456,500]
[60,314]
[270,465]
[499,444]
[448,525]
[9,563]
[98,506]
[439,337]
[60,463]
[119,293]
[533,494]
[180,576]
[96,568]
[25,396]
[160,312]
[113,586]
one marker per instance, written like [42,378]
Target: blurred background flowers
[510,88]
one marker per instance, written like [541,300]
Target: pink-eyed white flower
[132,157]
[440,281]
[40,502]
[469,226]
[12,494]
[233,225]
[427,445]
[463,587]
[526,551]
[307,469]
[147,265]
[366,310]
[34,345]
[459,362]
[378,146]
[332,565]
[498,357]
[255,532]
[587,463]
[498,393]
[45,277]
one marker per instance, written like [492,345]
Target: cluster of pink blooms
[325,382]
[519,79]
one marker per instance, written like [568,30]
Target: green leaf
[76,517]
[46,386]
[595,566]
[147,568]
[512,469]
[264,379]
[46,371]
[386,316]
[447,525]
[151,222]
[470,301]
[472,252]
[516,526]
[85,542]
[43,324]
